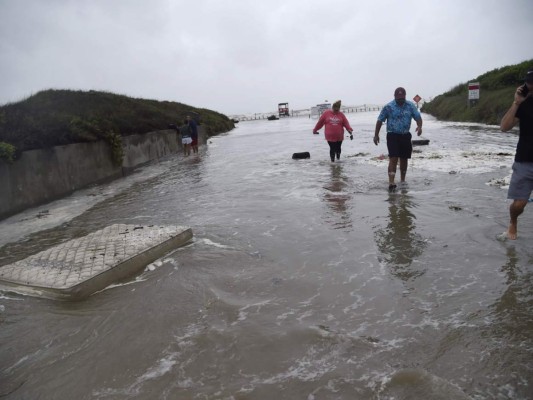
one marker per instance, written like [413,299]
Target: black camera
[524,90]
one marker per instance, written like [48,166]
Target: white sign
[473,91]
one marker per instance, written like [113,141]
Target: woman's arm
[346,124]
[320,123]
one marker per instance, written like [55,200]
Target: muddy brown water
[305,279]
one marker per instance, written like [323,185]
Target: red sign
[473,91]
[417,98]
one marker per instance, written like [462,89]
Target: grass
[497,89]
[59,117]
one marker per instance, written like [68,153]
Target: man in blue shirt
[398,114]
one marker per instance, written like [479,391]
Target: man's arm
[509,120]
[376,135]
[417,117]
[419,126]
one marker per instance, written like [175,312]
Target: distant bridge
[306,112]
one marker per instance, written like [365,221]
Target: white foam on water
[453,291]
[454,161]
[418,383]
[426,322]
[309,301]
[352,278]
[390,344]
[271,231]
[306,369]
[19,362]
[26,292]
[468,148]
[161,368]
[191,331]
[214,244]
[359,302]
[243,311]
[376,381]
[6,297]
[138,279]
[304,315]
[500,182]
[286,315]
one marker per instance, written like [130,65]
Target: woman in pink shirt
[335,122]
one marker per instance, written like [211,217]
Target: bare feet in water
[512,231]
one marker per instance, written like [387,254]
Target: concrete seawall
[40,176]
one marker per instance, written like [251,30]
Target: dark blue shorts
[399,145]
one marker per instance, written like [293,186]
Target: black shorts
[399,145]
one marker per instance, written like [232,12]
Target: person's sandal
[392,188]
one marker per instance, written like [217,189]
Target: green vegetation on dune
[497,89]
[58,117]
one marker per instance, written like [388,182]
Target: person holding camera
[521,186]
[335,122]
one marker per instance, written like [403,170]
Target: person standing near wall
[398,114]
[335,122]
[521,186]
[193,129]
[186,138]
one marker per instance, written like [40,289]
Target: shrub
[7,152]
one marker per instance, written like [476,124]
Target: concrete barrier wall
[40,176]
[140,149]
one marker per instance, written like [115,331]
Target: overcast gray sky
[237,56]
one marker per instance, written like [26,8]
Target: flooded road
[305,279]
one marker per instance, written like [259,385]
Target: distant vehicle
[272,118]
[283,109]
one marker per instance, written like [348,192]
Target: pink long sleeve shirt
[335,123]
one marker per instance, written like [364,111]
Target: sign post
[473,93]
[417,99]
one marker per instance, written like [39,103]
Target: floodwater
[306,279]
